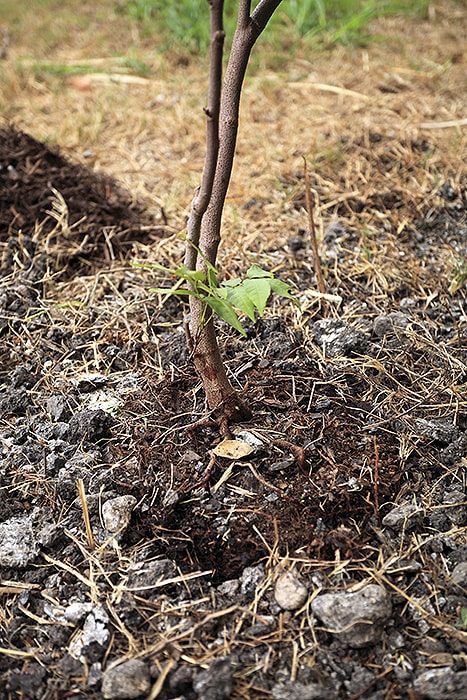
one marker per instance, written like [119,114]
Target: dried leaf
[233,449]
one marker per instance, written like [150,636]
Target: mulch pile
[97,217]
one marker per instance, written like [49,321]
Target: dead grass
[360,117]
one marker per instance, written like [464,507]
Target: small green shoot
[231,298]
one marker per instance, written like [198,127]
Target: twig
[84,506]
[314,241]
[376,482]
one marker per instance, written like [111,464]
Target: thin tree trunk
[207,357]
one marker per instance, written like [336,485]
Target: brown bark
[202,335]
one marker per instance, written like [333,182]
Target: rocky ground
[127,569]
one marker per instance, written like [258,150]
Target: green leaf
[240,299]
[225,311]
[212,277]
[259,291]
[233,282]
[190,275]
[255,271]
[282,289]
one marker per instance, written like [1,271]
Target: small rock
[296,243]
[171,498]
[129,679]
[290,592]
[229,588]
[116,513]
[361,679]
[439,430]
[396,640]
[59,406]
[181,680]
[299,691]
[251,576]
[22,537]
[14,402]
[95,674]
[144,576]
[356,618]
[266,625]
[457,511]
[95,631]
[75,612]
[190,456]
[337,337]
[403,517]
[90,382]
[89,425]
[28,681]
[459,575]
[447,192]
[405,566]
[388,324]
[442,684]
[216,682]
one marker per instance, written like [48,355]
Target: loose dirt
[134,563]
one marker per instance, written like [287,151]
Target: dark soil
[101,396]
[100,221]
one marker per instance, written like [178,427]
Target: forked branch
[204,227]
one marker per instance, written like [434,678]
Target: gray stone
[95,631]
[403,517]
[59,407]
[442,684]
[143,577]
[299,691]
[439,430]
[216,682]
[388,324]
[22,537]
[229,588]
[75,612]
[290,592]
[361,679]
[356,618]
[337,337]
[116,513]
[457,511]
[89,425]
[459,575]
[129,679]
[251,576]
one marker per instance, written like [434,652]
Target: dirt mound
[51,205]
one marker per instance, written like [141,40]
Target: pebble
[290,592]
[144,577]
[89,425]
[442,684]
[356,618]
[251,576]
[388,324]
[337,337]
[439,430]
[216,682]
[300,691]
[229,588]
[403,517]
[21,538]
[129,679]
[95,631]
[459,575]
[116,513]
